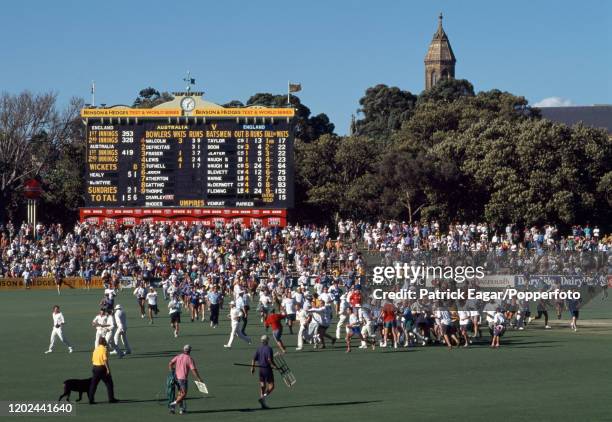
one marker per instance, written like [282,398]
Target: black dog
[80,386]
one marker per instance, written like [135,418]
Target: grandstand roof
[598,116]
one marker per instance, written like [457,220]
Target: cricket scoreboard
[189,160]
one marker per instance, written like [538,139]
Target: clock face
[187,103]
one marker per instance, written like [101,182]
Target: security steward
[101,371]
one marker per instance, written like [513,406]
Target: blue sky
[336,49]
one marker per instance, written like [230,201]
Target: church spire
[440,59]
[440,29]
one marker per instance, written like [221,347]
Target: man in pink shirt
[181,364]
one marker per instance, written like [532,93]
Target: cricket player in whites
[304,319]
[104,324]
[121,331]
[235,317]
[343,315]
[58,330]
[367,327]
[100,324]
[110,334]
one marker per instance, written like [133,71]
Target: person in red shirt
[389,324]
[274,320]
[354,297]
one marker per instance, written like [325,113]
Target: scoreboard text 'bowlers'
[221,158]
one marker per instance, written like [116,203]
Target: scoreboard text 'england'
[203,156]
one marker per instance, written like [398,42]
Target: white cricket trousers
[300,336]
[236,332]
[59,333]
[98,336]
[122,334]
[110,341]
[341,321]
[367,330]
[313,329]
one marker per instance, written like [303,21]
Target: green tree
[338,176]
[150,97]
[384,110]
[531,171]
[64,180]
[412,182]
[307,127]
[316,172]
[233,104]
[450,106]
[604,188]
[465,156]
[448,90]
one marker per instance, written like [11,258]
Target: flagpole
[93,93]
[288,92]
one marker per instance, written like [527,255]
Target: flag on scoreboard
[292,88]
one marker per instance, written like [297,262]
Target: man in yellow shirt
[101,371]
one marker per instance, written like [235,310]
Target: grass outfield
[537,375]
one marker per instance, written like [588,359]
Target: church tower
[440,60]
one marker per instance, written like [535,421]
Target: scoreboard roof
[173,108]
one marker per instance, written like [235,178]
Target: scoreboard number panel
[219,164]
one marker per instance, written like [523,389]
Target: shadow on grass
[297,406]
[512,342]
[155,354]
[320,350]
[161,401]
[524,347]
[205,335]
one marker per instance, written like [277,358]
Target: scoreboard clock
[188,104]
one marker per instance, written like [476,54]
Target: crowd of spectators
[480,237]
[543,250]
[155,250]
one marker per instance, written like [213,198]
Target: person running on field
[542,309]
[235,316]
[274,320]
[152,304]
[264,359]
[58,330]
[181,364]
[141,294]
[573,305]
[174,310]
